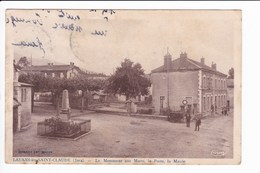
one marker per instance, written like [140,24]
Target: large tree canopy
[129,80]
[57,85]
[23,62]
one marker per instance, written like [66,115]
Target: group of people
[197,118]
[188,119]
[224,110]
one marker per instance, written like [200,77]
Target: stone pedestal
[65,108]
[65,100]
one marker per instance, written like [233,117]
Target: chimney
[72,64]
[183,55]
[167,61]
[202,60]
[183,60]
[214,66]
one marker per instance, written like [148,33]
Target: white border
[251,85]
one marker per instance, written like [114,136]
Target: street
[123,136]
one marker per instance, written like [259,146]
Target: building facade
[22,103]
[230,89]
[186,81]
[51,70]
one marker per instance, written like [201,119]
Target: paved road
[119,136]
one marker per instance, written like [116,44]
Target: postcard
[108,86]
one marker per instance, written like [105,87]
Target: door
[162,98]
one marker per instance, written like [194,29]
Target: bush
[60,127]
[176,117]
[166,111]
[146,111]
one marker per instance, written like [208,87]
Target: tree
[128,80]
[86,84]
[23,62]
[56,85]
[231,73]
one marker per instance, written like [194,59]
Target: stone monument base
[63,129]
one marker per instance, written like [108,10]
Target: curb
[132,115]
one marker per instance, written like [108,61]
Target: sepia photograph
[110,86]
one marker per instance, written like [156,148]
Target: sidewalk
[47,109]
[121,112]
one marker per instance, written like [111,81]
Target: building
[22,103]
[62,71]
[186,81]
[92,75]
[230,90]
[99,96]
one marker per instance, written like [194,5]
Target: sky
[140,35]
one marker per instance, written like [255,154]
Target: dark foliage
[129,80]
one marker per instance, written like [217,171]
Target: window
[204,103]
[211,82]
[208,103]
[211,101]
[204,82]
[208,83]
[189,100]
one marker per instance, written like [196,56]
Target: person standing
[188,117]
[212,109]
[197,123]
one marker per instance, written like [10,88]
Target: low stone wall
[44,129]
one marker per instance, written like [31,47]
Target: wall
[213,92]
[25,108]
[231,97]
[181,85]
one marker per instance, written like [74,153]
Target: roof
[181,64]
[96,75]
[16,103]
[99,93]
[50,68]
[131,100]
[25,84]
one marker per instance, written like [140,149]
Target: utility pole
[168,82]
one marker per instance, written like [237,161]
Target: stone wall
[182,86]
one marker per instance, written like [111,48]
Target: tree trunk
[32,101]
[53,99]
[127,97]
[82,101]
[58,104]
